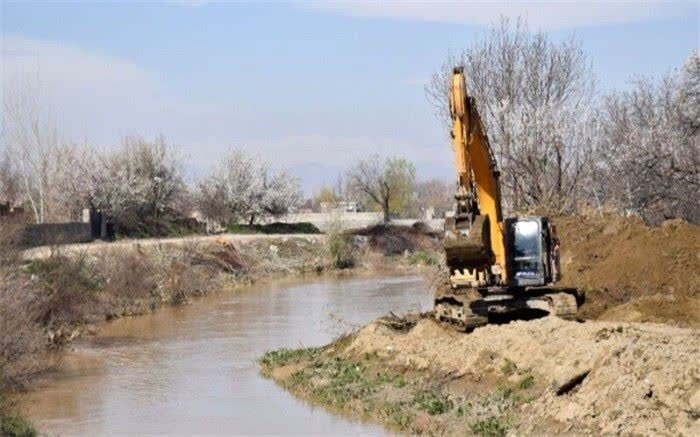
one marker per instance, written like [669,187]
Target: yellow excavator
[498,269]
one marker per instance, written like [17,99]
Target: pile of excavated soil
[397,240]
[631,271]
[598,377]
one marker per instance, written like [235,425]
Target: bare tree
[387,183]
[31,137]
[10,182]
[649,151]
[434,193]
[534,96]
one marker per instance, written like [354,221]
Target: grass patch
[368,388]
[340,381]
[339,246]
[433,402]
[422,258]
[494,426]
[282,357]
[527,382]
[400,382]
[57,269]
[12,424]
[508,367]
[398,414]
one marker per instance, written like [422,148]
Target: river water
[191,369]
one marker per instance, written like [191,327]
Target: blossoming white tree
[244,188]
[534,97]
[649,151]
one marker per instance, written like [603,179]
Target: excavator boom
[496,267]
[475,245]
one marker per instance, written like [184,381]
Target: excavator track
[467,309]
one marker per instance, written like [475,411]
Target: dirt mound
[631,271]
[396,240]
[596,377]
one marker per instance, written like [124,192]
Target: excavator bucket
[467,245]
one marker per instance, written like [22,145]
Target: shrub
[433,402]
[21,338]
[492,427]
[341,250]
[70,290]
[12,424]
[527,382]
[422,258]
[128,275]
[508,367]
[274,228]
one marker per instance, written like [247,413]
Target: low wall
[47,234]
[352,220]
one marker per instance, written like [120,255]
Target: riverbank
[539,377]
[59,296]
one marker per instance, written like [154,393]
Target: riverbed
[191,369]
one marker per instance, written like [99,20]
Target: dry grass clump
[21,338]
[69,290]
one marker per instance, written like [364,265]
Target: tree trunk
[385,210]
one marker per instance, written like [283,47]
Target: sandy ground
[597,377]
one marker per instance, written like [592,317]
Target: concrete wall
[352,220]
[47,234]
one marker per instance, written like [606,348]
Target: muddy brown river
[191,369]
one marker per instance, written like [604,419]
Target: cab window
[526,246]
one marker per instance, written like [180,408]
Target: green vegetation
[282,357]
[12,424]
[508,367]
[494,426]
[422,257]
[527,382]
[433,401]
[56,269]
[339,247]
[371,390]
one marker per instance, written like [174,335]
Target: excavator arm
[474,237]
[496,268]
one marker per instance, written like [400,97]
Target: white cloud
[92,94]
[546,15]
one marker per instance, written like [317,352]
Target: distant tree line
[390,186]
[139,186]
[561,145]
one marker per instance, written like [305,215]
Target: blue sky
[307,85]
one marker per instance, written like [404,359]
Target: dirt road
[99,246]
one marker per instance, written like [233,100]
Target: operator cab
[533,252]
